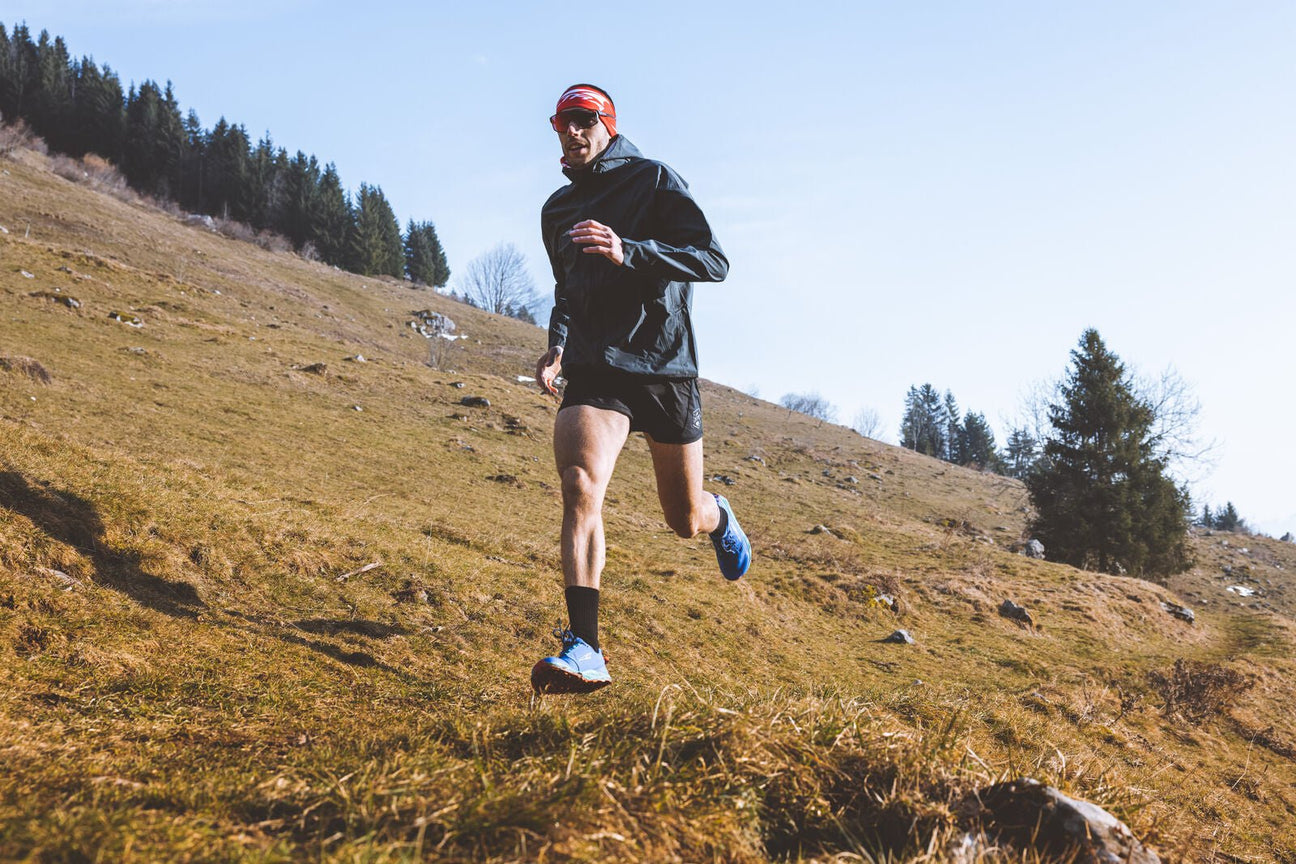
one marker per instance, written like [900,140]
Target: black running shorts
[668,410]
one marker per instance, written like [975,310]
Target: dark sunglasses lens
[582,119]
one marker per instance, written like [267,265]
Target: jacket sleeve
[558,316]
[686,250]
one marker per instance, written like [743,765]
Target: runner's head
[585,121]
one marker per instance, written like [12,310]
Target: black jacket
[634,318]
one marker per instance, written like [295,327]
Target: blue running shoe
[732,548]
[578,668]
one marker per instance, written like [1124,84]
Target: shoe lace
[565,635]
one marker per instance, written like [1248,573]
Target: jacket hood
[618,152]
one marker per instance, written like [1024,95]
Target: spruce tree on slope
[977,443]
[1021,454]
[953,431]
[1102,498]
[376,248]
[923,427]
[335,218]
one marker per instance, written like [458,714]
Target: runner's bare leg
[689,509]
[587,442]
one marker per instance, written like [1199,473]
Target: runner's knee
[579,491]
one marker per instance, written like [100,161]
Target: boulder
[1040,817]
[900,637]
[430,324]
[475,402]
[1034,549]
[1009,609]
[1182,612]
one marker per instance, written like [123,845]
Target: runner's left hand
[598,239]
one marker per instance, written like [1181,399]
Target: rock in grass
[900,637]
[1042,818]
[1181,612]
[1009,609]
[1034,549]
[26,366]
[475,402]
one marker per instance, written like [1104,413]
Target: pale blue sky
[908,192]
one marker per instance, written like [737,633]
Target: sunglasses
[583,118]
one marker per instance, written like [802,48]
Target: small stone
[1034,549]
[126,318]
[475,402]
[27,275]
[877,477]
[900,637]
[357,408]
[458,385]
[851,480]
[822,529]
[723,478]
[1181,612]
[755,458]
[1009,609]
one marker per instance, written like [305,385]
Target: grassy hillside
[197,665]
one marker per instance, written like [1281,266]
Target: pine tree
[17,73]
[923,427]
[301,207]
[192,166]
[1022,452]
[229,188]
[425,260]
[420,265]
[376,248]
[953,431]
[1228,519]
[100,112]
[1207,519]
[977,443]
[333,225]
[1101,495]
[50,109]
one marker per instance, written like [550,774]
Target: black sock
[582,612]
[724,523]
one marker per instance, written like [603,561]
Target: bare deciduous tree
[811,404]
[498,281]
[1175,434]
[868,423]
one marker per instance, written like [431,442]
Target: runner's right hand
[547,369]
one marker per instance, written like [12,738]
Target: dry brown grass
[188,677]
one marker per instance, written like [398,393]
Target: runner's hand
[547,369]
[598,239]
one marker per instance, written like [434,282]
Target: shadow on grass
[71,519]
[324,627]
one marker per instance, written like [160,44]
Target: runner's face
[582,146]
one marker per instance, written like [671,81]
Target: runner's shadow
[69,518]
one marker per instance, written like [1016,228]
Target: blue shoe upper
[578,658]
[732,548]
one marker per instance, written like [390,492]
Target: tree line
[80,108]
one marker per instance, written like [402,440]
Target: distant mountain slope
[262,599]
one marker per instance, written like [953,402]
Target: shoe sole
[547,678]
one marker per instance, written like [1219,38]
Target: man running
[626,241]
